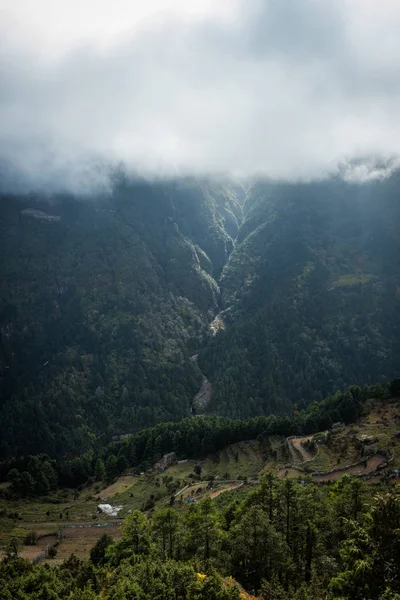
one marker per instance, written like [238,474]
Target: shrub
[31,538]
[52,552]
[149,504]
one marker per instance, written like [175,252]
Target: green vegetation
[310,297]
[204,476]
[280,540]
[105,342]
[103,311]
[352,279]
[193,438]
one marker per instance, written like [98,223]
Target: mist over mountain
[198,209]
[281,89]
[199,299]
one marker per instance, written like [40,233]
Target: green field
[353,279]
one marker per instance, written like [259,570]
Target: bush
[149,504]
[14,516]
[98,552]
[31,538]
[52,552]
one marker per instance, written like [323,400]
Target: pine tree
[99,470]
[111,467]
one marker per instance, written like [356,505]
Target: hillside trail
[227,489]
[357,470]
[299,453]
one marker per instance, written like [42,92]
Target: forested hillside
[102,302]
[281,541]
[106,301]
[311,295]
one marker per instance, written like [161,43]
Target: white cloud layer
[284,88]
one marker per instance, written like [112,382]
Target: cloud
[369,168]
[281,88]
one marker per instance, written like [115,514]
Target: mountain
[103,301]
[311,296]
[106,303]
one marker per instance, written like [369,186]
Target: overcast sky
[285,88]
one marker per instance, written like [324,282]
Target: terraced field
[374,438]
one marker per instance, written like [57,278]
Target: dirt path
[373,463]
[298,453]
[298,445]
[227,489]
[290,473]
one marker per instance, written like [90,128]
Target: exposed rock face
[166,461]
[203,397]
[217,324]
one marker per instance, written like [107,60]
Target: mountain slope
[102,302]
[105,302]
[311,295]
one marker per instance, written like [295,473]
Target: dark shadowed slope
[102,303]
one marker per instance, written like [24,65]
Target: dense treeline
[283,541]
[190,438]
[201,436]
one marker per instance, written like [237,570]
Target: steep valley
[310,296]
[285,293]
[103,302]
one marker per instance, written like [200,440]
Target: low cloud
[368,169]
[284,89]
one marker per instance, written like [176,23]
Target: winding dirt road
[297,451]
